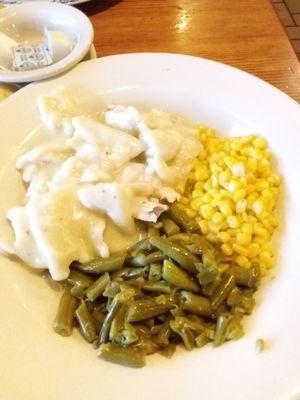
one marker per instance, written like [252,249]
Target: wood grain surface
[243,33]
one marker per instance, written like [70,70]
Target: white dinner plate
[36,364]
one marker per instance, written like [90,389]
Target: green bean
[97,267]
[245,306]
[104,332]
[126,337]
[210,332]
[177,311]
[111,289]
[195,304]
[163,335]
[234,329]
[181,218]
[246,277]
[97,288]
[223,290]
[168,351]
[205,249]
[142,245]
[220,333]
[127,356]
[141,259]
[116,304]
[201,340]
[86,322]
[169,227]
[63,322]
[188,322]
[142,330]
[146,308]
[178,278]
[79,281]
[152,231]
[178,253]
[99,317]
[182,238]
[184,332]
[161,287]
[207,274]
[189,185]
[209,289]
[130,273]
[147,346]
[155,272]
[234,297]
[118,323]
[188,338]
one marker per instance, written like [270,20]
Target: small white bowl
[26,22]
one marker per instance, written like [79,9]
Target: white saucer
[30,19]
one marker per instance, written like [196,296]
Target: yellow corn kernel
[274,179]
[260,240]
[253,250]
[259,230]
[242,261]
[243,239]
[258,207]
[239,195]
[261,185]
[268,247]
[191,213]
[230,161]
[225,208]
[201,173]
[217,218]
[199,186]
[233,221]
[204,226]
[207,211]
[211,237]
[241,206]
[196,204]
[224,178]
[267,259]
[240,249]
[213,228]
[236,144]
[247,228]
[197,193]
[233,186]
[227,249]
[251,164]
[260,143]
[223,237]
[233,232]
[250,188]
[207,198]
[251,199]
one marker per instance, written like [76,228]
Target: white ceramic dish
[25,22]
[37,364]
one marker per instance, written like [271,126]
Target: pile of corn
[233,195]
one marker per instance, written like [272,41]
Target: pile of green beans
[165,290]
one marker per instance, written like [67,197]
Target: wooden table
[243,33]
